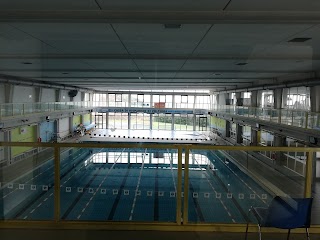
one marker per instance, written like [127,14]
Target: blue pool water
[133,185]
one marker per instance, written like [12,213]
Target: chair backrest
[289,213]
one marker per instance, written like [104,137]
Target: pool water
[133,185]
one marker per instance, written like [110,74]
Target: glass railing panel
[6,110]
[104,184]
[314,121]
[220,191]
[27,185]
[17,109]
[277,173]
[274,115]
[298,118]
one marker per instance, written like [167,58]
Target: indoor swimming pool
[133,185]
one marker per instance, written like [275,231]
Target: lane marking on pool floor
[103,180]
[206,175]
[137,189]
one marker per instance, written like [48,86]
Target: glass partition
[148,183]
[27,186]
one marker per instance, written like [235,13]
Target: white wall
[48,95]
[63,127]
[23,94]
[222,98]
[2,96]
[77,98]
[64,97]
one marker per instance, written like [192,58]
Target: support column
[315,98]
[279,141]
[284,98]
[9,89]
[7,150]
[82,97]
[239,133]
[38,94]
[277,96]
[254,99]
[129,119]
[227,131]
[58,95]
[239,99]
[254,137]
[222,99]
[172,121]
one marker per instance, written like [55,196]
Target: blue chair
[285,213]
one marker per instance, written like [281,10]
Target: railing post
[56,184]
[308,177]
[178,210]
[186,186]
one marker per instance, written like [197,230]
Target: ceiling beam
[240,70]
[150,16]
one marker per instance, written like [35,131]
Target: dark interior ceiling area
[170,44]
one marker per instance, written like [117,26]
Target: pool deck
[147,136]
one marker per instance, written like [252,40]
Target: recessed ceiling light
[299,40]
[172,25]
[27,63]
[241,63]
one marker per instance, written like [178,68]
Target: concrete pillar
[222,99]
[277,96]
[9,89]
[7,150]
[239,133]
[58,95]
[71,124]
[227,132]
[254,99]
[38,94]
[172,122]
[83,95]
[173,101]
[279,141]
[284,97]
[239,99]
[129,119]
[254,137]
[259,98]
[315,98]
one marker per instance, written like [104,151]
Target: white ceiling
[109,54]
